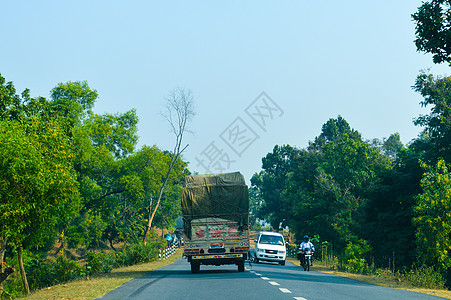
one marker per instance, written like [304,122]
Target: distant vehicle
[215,211]
[270,246]
[307,261]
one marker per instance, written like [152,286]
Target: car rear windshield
[271,239]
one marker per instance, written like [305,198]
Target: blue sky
[314,60]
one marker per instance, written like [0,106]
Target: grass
[381,281]
[100,284]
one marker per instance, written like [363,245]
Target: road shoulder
[378,281]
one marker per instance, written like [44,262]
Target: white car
[270,246]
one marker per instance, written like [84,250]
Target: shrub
[140,253]
[354,256]
[42,272]
[66,269]
[12,287]
[425,277]
[100,262]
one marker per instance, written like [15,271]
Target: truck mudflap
[218,256]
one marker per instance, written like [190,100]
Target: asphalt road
[259,281]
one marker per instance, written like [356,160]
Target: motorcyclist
[304,245]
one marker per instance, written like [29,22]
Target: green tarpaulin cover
[221,196]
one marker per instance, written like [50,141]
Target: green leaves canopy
[38,186]
[433,29]
[433,216]
[321,190]
[437,134]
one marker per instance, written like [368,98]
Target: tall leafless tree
[179,112]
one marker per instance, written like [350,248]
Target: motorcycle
[307,261]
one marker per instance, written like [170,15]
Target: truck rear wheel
[241,266]
[195,267]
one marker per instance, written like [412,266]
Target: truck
[215,212]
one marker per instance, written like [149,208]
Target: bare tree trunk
[179,112]
[111,245]
[162,225]
[123,221]
[22,270]
[149,222]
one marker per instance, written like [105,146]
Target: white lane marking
[273,283]
[258,274]
[300,298]
[264,278]
[247,269]
[286,291]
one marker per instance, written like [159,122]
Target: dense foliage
[377,202]
[433,29]
[44,272]
[73,178]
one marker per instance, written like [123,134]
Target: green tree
[332,131]
[73,100]
[433,29]
[433,217]
[150,165]
[116,132]
[389,211]
[255,201]
[38,184]
[10,103]
[271,183]
[348,171]
[436,141]
[45,193]
[100,144]
[118,190]
[392,146]
[321,190]
[307,215]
